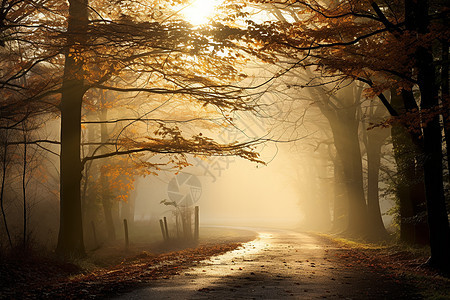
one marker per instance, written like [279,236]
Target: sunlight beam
[200,11]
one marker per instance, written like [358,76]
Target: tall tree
[109,54]
[21,85]
[417,19]
[387,45]
[342,112]
[70,238]
[410,188]
[374,140]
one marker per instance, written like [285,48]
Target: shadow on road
[280,264]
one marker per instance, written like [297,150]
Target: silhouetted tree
[386,45]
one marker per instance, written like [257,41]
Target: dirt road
[280,264]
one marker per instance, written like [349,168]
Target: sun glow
[200,11]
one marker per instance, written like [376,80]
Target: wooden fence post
[196,224]
[166,228]
[177,224]
[161,224]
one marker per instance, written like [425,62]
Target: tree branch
[383,99]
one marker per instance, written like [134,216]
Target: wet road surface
[279,264]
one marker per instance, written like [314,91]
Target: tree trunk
[357,221]
[344,122]
[104,185]
[70,238]
[410,186]
[417,19]
[24,188]
[445,89]
[346,140]
[375,140]
[433,167]
[2,188]
[91,171]
[127,211]
[323,218]
[404,158]
[340,207]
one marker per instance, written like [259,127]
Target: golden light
[200,11]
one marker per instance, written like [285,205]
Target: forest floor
[230,264]
[400,262]
[111,269]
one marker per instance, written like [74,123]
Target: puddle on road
[242,253]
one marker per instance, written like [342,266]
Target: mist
[245,141]
[241,194]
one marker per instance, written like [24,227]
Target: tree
[106,54]
[343,116]
[374,141]
[387,46]
[70,238]
[417,18]
[5,162]
[410,188]
[21,86]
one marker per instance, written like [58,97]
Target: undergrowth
[403,261]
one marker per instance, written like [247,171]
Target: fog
[266,151]
[142,140]
[293,186]
[242,194]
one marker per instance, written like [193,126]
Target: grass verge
[401,261]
